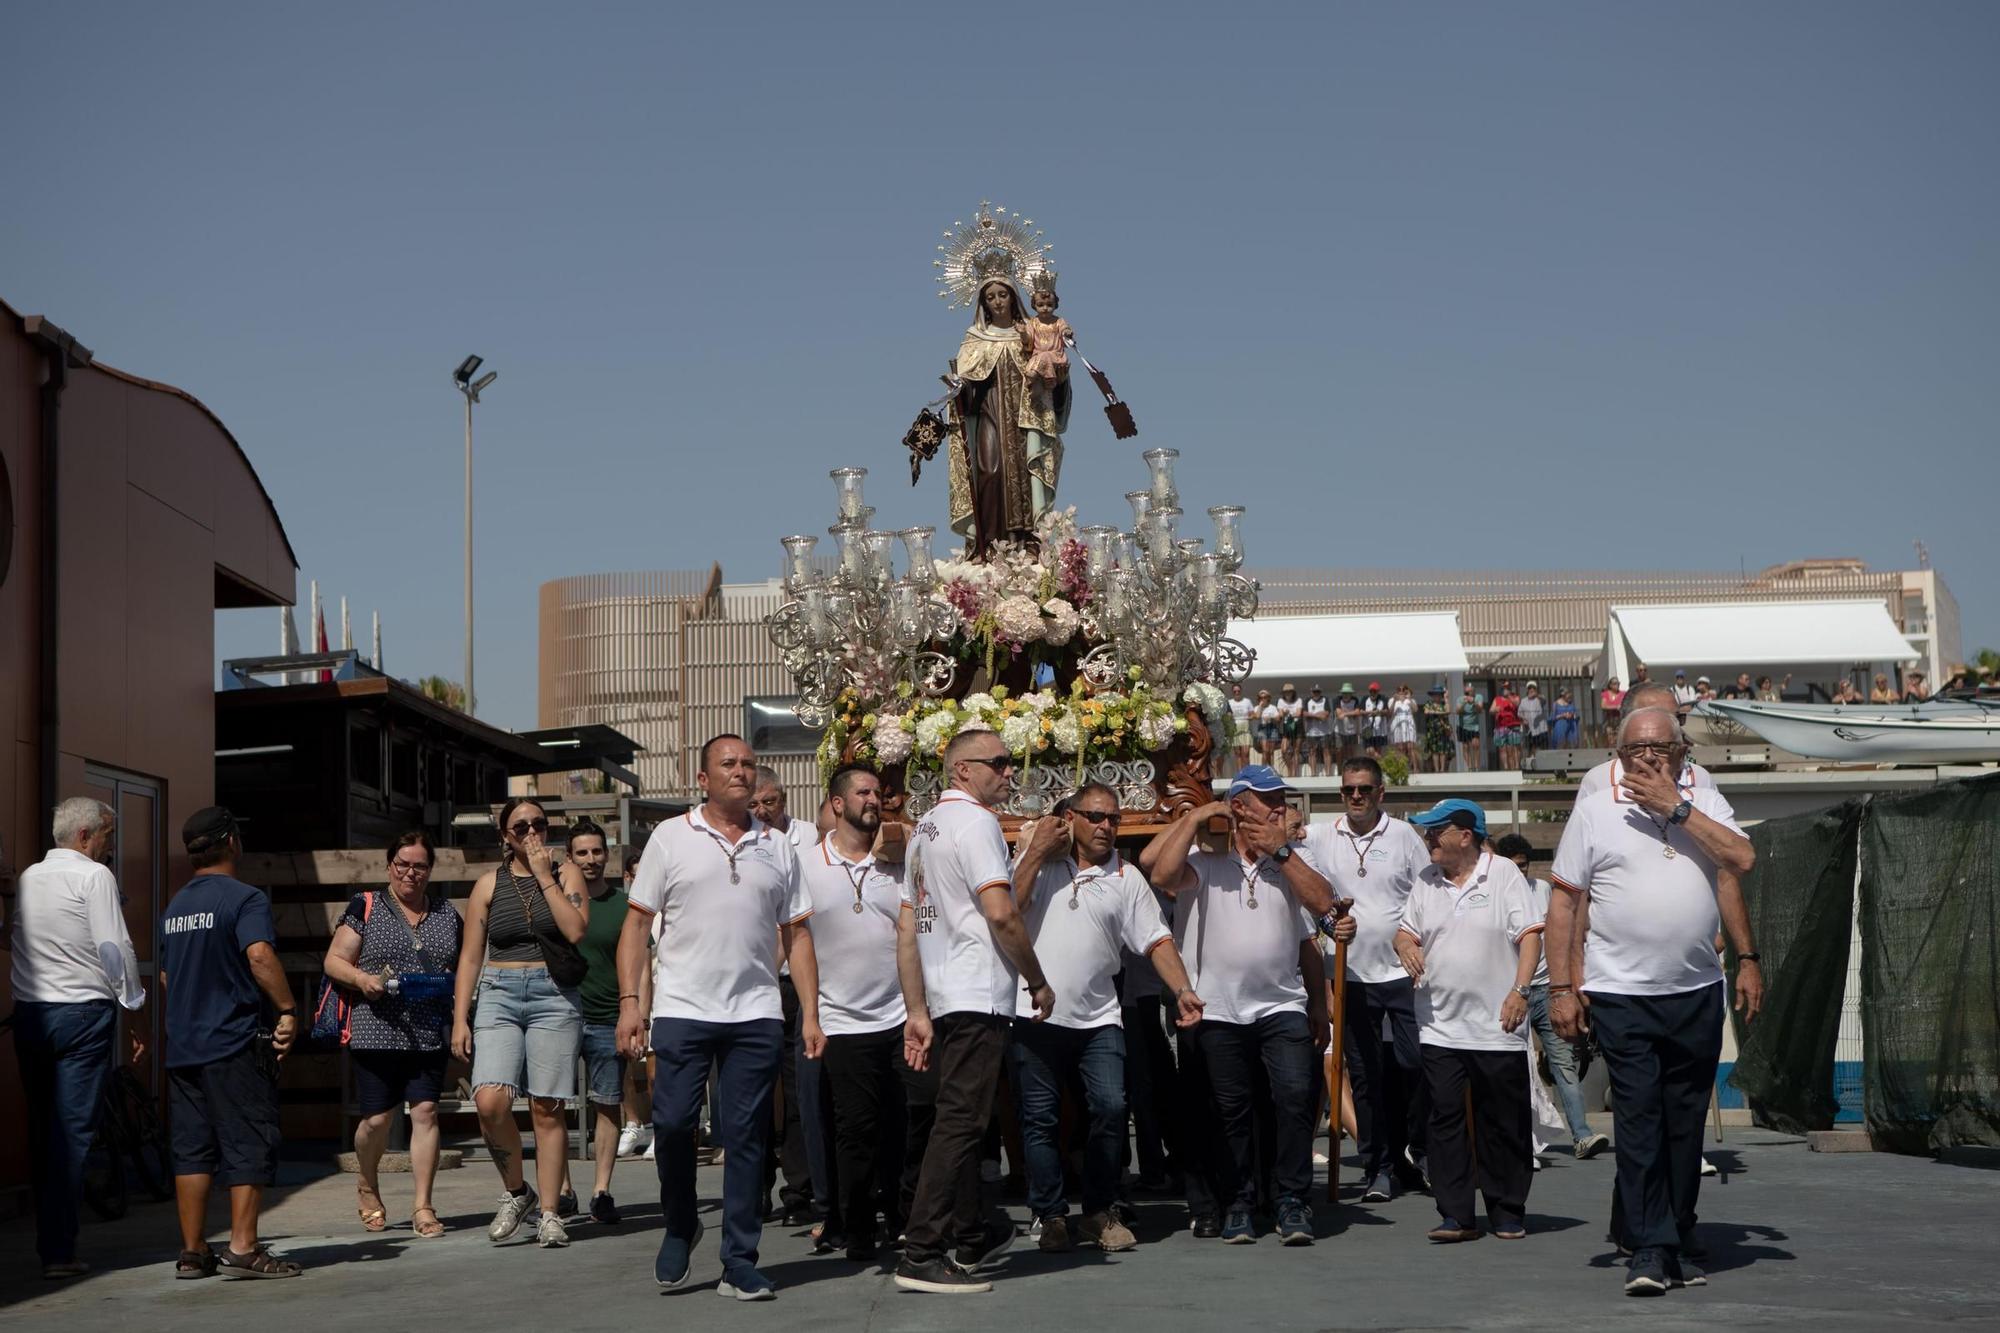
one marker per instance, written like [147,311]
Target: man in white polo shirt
[721,881]
[856,901]
[1319,732]
[961,951]
[1471,938]
[1243,919]
[1646,853]
[1084,905]
[1373,859]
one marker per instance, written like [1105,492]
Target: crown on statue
[1044,281]
[995,246]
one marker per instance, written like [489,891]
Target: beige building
[671,659]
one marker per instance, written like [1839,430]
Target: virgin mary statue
[1006,436]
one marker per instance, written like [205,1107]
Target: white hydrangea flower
[1067,734]
[893,745]
[1019,731]
[1061,623]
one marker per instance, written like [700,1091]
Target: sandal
[428,1230]
[195,1264]
[260,1262]
[372,1219]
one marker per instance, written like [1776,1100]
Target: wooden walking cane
[1336,1048]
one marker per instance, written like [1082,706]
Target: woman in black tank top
[509,1018]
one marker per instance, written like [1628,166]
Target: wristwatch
[1681,812]
[1522,991]
[1283,854]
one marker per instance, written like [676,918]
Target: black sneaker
[1238,1228]
[1381,1189]
[998,1239]
[1295,1223]
[940,1276]
[566,1205]
[602,1209]
[826,1242]
[1685,1272]
[1647,1275]
[1206,1226]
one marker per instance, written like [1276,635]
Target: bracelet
[629,995]
[1561,990]
[1751,957]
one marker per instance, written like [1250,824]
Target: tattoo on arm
[575,899]
[502,1160]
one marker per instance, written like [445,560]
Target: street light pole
[471,388]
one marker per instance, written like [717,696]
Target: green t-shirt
[599,991]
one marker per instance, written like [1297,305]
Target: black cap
[208,828]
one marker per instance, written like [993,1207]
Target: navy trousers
[1661,1053]
[746,1059]
[65,1055]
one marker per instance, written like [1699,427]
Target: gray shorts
[525,1033]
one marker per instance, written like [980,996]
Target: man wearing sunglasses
[963,954]
[1373,860]
[1648,855]
[1084,905]
[1244,919]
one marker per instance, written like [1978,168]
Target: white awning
[1753,634]
[1330,649]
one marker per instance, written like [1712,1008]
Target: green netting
[1801,903]
[1930,982]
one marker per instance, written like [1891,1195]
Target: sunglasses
[1110,817]
[999,763]
[1359,789]
[521,828]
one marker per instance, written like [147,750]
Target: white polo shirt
[1540,889]
[1082,919]
[1471,939]
[715,961]
[1393,853]
[858,987]
[955,852]
[1653,917]
[1319,715]
[1242,961]
[1600,778]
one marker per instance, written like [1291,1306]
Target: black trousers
[1500,1130]
[1391,1104]
[865,1075]
[786,1143]
[967,1051]
[1280,1045]
[1151,1087]
[1660,1052]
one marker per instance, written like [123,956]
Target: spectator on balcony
[1291,725]
[1347,715]
[1914,689]
[1741,688]
[1319,732]
[1403,725]
[1611,700]
[1565,723]
[1267,730]
[1767,693]
[1847,692]
[1375,721]
[1471,712]
[1240,709]
[1506,711]
[1684,694]
[1534,714]
[1437,730]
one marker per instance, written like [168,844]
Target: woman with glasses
[525,1031]
[394,951]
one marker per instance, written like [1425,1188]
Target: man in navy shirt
[219,969]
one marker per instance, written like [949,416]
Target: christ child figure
[1044,338]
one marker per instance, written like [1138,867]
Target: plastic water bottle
[391,983]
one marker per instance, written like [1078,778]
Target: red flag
[319,634]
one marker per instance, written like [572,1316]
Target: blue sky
[1518,286]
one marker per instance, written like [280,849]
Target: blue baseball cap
[1455,811]
[1257,777]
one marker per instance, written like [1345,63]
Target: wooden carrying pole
[1336,1048]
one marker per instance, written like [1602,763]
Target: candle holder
[847,489]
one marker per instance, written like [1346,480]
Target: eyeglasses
[521,828]
[999,763]
[1359,789]
[1110,817]
[410,867]
[1648,747]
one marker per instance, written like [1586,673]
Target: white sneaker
[551,1234]
[513,1208]
[650,1143]
[1708,1168]
[1320,1158]
[634,1137]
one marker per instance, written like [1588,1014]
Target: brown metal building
[128,516]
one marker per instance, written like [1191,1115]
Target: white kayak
[1941,732]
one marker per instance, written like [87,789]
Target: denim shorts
[603,1066]
[525,1033]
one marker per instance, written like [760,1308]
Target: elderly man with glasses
[1084,905]
[1648,855]
[962,952]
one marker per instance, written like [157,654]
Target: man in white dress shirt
[74,968]
[856,902]
[1245,920]
[1085,907]
[962,952]
[721,881]
[1646,853]
[1373,859]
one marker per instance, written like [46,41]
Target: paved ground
[1841,1241]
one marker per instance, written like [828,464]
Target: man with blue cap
[1470,939]
[1245,914]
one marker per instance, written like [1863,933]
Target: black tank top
[509,938]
